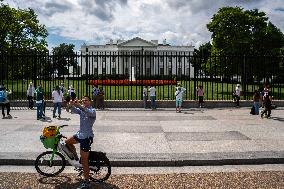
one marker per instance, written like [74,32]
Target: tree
[244,33]
[64,57]
[20,31]
[200,56]
[235,31]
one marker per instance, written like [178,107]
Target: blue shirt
[87,120]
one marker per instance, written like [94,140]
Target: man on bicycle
[84,136]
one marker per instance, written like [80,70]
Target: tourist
[95,92]
[179,92]
[145,96]
[39,102]
[237,95]
[153,97]
[267,101]
[200,94]
[100,99]
[30,95]
[57,97]
[4,101]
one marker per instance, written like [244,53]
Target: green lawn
[212,90]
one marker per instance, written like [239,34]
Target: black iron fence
[122,75]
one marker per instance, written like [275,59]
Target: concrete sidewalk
[138,137]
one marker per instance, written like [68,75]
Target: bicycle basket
[49,131]
[49,142]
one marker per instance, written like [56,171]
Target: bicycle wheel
[100,169]
[47,168]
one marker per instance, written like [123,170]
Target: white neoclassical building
[136,57]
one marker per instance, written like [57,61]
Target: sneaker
[75,163]
[59,116]
[54,116]
[261,114]
[85,185]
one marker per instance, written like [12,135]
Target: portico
[143,57]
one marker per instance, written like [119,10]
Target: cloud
[179,21]
[102,9]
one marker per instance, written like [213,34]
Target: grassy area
[212,90]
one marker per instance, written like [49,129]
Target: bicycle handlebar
[61,126]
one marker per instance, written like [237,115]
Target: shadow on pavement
[65,182]
[47,119]
[64,119]
[103,185]
[278,118]
[54,180]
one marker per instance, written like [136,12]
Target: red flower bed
[126,82]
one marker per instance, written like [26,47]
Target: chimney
[165,42]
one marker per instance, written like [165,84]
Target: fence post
[244,78]
[87,72]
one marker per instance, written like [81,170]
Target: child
[200,95]
[179,93]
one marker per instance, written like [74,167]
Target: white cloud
[179,21]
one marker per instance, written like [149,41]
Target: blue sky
[181,22]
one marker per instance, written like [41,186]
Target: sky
[180,22]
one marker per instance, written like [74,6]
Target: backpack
[2,96]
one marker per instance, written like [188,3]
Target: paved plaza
[138,137]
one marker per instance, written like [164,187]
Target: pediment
[137,42]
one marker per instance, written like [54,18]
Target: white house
[137,57]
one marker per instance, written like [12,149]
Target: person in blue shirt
[84,136]
[4,101]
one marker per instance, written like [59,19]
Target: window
[179,71]
[187,59]
[113,71]
[126,71]
[104,71]
[148,58]
[161,71]
[170,71]
[148,71]
[170,59]
[104,59]
[161,59]
[96,71]
[187,71]
[113,59]
[95,59]
[126,59]
[179,59]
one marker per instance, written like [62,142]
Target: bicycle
[52,163]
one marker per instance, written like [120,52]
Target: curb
[165,163]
